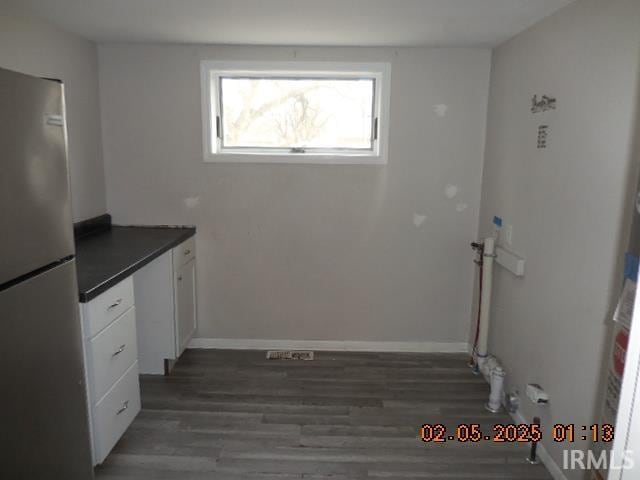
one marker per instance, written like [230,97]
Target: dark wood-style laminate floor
[235,415]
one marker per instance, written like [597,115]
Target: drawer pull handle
[125,405]
[114,304]
[180,278]
[119,350]
[187,252]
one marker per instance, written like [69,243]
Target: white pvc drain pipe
[485,307]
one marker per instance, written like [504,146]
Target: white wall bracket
[510,261]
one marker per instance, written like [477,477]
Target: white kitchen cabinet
[165,307]
[111,365]
[185,304]
[108,306]
[185,252]
[113,414]
[112,352]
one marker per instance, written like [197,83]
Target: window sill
[296,158]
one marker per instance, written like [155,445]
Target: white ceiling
[296,22]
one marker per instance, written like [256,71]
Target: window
[295,112]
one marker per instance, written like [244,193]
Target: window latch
[297,150]
[218,127]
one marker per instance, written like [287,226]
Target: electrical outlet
[508,234]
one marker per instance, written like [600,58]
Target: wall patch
[451,191]
[192,202]
[441,109]
[418,220]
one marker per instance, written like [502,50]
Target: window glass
[297,113]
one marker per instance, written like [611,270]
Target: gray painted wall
[566,203]
[311,252]
[36,48]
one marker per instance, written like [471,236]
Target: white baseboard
[328,345]
[554,469]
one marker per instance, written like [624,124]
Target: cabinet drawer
[115,412]
[113,351]
[184,252]
[108,306]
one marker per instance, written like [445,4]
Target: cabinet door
[185,296]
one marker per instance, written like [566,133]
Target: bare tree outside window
[297,112]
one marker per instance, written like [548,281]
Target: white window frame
[211,71]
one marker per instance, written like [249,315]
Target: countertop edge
[88,295]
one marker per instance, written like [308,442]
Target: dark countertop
[105,258]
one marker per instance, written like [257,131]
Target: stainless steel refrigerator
[44,428]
